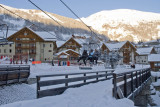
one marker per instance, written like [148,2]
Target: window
[157,64]
[50,45]
[4,50]
[49,50]
[10,51]
[0,50]
[43,45]
[10,45]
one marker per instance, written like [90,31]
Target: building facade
[125,49]
[28,44]
[142,54]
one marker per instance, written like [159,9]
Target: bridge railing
[14,74]
[128,83]
[48,85]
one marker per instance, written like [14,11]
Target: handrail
[125,84]
[69,78]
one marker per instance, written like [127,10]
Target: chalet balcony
[25,53]
[26,47]
[25,41]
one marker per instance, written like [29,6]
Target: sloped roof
[64,51]
[44,35]
[80,41]
[144,50]
[60,43]
[154,58]
[115,46]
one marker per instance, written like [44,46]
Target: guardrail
[50,86]
[14,74]
[129,84]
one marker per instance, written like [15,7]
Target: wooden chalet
[154,61]
[142,54]
[125,49]
[33,44]
[69,44]
[67,55]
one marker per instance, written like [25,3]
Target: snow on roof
[144,50]
[154,58]
[115,46]
[60,43]
[64,51]
[44,35]
[80,41]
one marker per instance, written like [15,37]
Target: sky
[84,8]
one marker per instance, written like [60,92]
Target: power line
[78,17]
[47,14]
[26,20]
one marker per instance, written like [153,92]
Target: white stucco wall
[142,59]
[7,49]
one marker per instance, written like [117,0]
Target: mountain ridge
[121,23]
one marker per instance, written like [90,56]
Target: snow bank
[156,83]
[155,74]
[92,95]
[156,98]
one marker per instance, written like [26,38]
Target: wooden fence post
[38,87]
[136,79]
[125,85]
[115,85]
[132,82]
[97,75]
[106,74]
[84,76]
[66,84]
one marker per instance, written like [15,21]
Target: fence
[14,74]
[129,84]
[68,81]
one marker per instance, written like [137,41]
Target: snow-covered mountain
[125,24]
[121,24]
[65,29]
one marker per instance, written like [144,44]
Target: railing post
[115,85]
[18,76]
[136,79]
[125,85]
[84,76]
[97,76]
[66,84]
[38,87]
[132,82]
[141,77]
[7,78]
[106,75]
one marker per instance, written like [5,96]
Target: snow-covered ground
[92,95]
[18,92]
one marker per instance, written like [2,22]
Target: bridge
[128,84]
